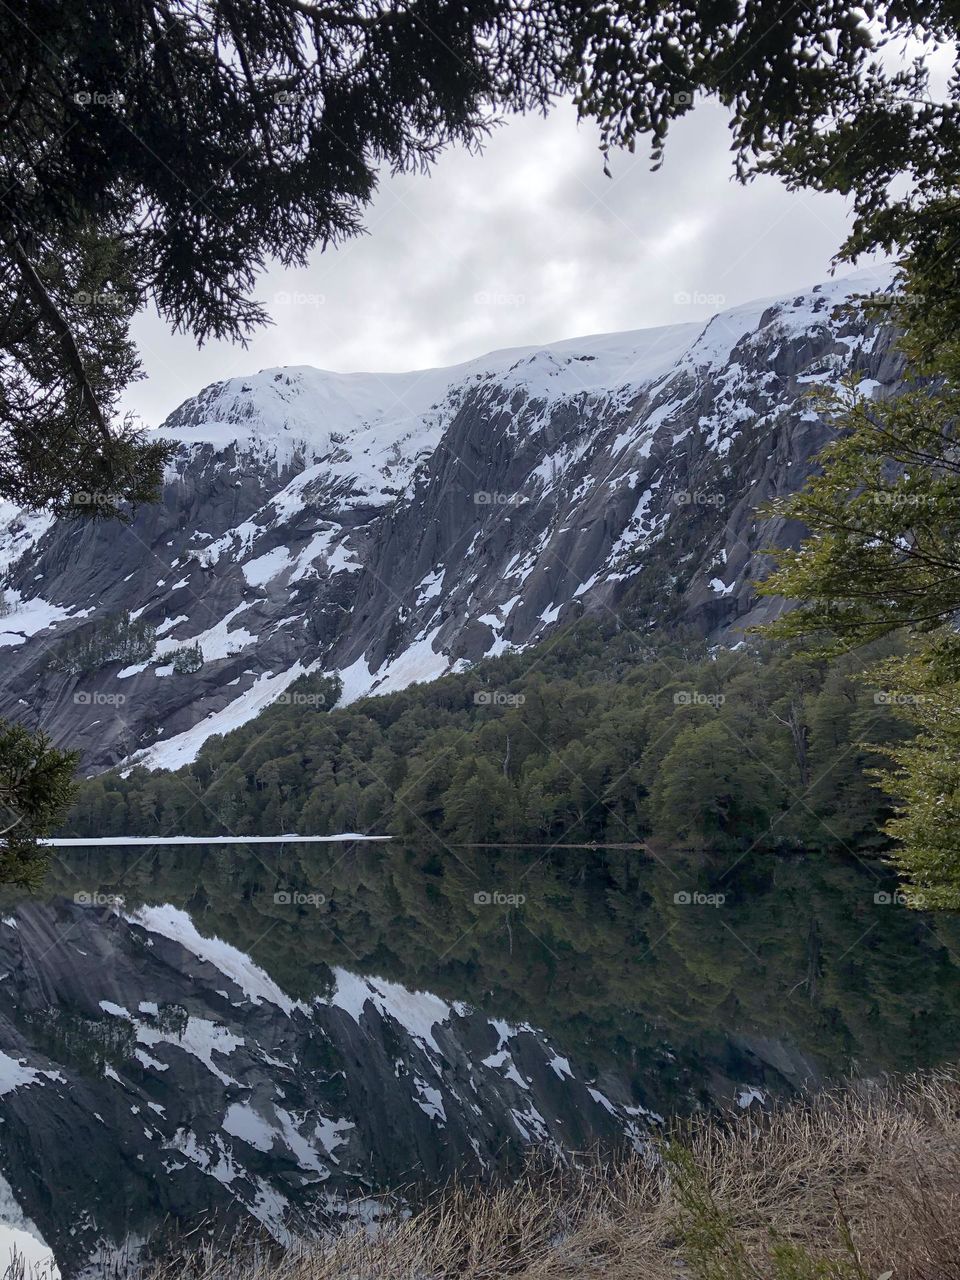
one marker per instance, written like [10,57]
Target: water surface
[288,1034]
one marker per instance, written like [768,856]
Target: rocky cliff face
[152,1078]
[387,527]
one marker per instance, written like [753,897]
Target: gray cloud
[526,243]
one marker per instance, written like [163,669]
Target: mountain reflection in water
[287,1034]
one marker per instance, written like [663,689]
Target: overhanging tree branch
[55,318]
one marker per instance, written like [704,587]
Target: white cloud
[528,242]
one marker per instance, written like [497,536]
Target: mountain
[391,527]
[155,1077]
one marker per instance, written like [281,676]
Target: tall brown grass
[862,1183]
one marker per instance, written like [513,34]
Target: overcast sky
[527,243]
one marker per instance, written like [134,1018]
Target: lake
[289,1037]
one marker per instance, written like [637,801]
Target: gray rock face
[151,1078]
[387,527]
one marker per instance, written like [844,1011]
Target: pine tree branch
[60,326]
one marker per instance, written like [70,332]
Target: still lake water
[284,1036]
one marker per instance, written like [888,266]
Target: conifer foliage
[36,789]
[883,554]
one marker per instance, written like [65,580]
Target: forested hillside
[595,736]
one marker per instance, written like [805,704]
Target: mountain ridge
[391,527]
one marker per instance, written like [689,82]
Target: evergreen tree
[188,660]
[36,790]
[710,792]
[884,555]
[112,639]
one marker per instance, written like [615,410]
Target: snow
[19,1234]
[170,922]
[417,1011]
[430,585]
[496,1059]
[218,641]
[602,1100]
[92,842]
[365,425]
[188,1145]
[430,1101]
[561,1066]
[329,1133]
[14,1074]
[356,680]
[530,1124]
[183,748]
[796,314]
[749,1095]
[241,1121]
[503,1059]
[133,670]
[152,1064]
[720,587]
[27,618]
[115,1010]
[303,1151]
[201,1038]
[270,1208]
[341,560]
[169,623]
[506,1031]
[262,569]
[420,662]
[20,531]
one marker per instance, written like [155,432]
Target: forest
[597,735]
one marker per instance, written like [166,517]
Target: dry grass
[878,1166]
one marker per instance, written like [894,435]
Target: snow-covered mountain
[389,527]
[153,1077]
